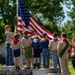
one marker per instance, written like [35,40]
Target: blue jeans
[73,62]
[45,54]
[55,59]
[9,57]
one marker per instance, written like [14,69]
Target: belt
[8,44]
[27,47]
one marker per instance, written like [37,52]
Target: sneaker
[55,71]
[44,67]
[38,67]
[47,66]
[28,68]
[59,71]
[18,68]
[34,67]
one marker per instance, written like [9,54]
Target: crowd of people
[34,47]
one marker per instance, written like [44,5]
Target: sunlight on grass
[71,68]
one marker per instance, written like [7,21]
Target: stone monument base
[10,70]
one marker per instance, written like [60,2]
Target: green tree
[7,15]
[72,12]
[69,28]
[72,29]
[66,28]
[50,10]
[8,11]
[52,27]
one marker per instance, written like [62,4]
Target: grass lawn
[71,68]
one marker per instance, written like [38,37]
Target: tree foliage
[69,28]
[7,15]
[50,9]
[47,12]
[7,11]
[72,12]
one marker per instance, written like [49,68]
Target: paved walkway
[10,70]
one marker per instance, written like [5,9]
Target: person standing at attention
[44,43]
[8,39]
[26,44]
[53,48]
[36,52]
[73,52]
[16,50]
[63,47]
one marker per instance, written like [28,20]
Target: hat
[16,35]
[35,36]
[7,26]
[55,34]
[25,32]
[44,34]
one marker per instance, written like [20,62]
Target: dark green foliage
[7,15]
[49,10]
[8,12]
[69,28]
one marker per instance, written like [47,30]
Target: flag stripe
[27,22]
[41,29]
[41,26]
[37,27]
[38,30]
[35,30]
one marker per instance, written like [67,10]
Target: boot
[34,66]
[38,65]
[18,68]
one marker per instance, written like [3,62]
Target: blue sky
[65,9]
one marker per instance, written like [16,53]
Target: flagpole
[17,10]
[16,16]
[17,2]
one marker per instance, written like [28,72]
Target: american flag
[27,22]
